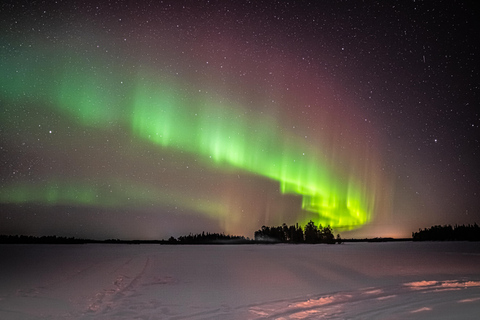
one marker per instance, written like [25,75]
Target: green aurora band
[111,195]
[223,135]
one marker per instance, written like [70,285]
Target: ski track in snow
[353,281]
[407,301]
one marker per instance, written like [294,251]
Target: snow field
[395,280]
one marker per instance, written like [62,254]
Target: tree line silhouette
[280,234]
[41,240]
[295,234]
[448,233]
[203,238]
[209,238]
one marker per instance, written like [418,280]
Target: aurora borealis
[172,117]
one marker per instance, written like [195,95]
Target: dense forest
[209,238]
[448,233]
[295,234]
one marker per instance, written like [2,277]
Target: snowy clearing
[350,281]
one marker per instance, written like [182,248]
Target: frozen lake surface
[398,280]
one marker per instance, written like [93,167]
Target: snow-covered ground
[350,281]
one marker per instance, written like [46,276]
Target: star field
[155,118]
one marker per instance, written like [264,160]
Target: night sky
[151,119]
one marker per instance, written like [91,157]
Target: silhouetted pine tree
[295,234]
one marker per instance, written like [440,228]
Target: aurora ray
[226,136]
